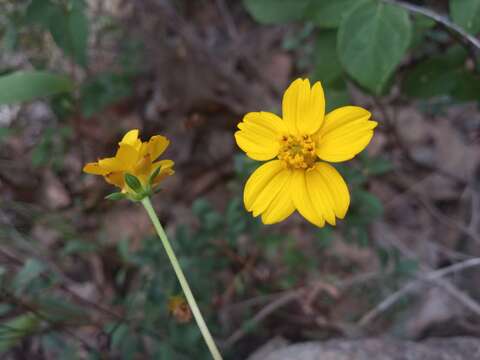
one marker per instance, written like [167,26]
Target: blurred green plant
[367,42]
[24,86]
[22,25]
[66,21]
[52,147]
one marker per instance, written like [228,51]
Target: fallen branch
[415,285]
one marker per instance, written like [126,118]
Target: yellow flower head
[295,178]
[136,158]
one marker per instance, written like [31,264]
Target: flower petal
[157,145]
[259,135]
[303,107]
[130,138]
[303,200]
[329,192]
[258,183]
[116,178]
[165,164]
[345,132]
[165,170]
[282,205]
[94,169]
[111,164]
[321,197]
[127,156]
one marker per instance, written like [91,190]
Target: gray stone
[379,349]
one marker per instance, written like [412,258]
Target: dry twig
[416,285]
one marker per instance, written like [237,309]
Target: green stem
[183,281]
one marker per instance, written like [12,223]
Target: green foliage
[51,148]
[67,23]
[327,64]
[421,26]
[23,86]
[466,13]
[365,207]
[372,40]
[443,75]
[329,14]
[105,89]
[116,196]
[133,183]
[328,69]
[276,11]
[30,271]
[4,133]
[14,330]
[366,41]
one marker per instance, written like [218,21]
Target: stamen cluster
[297,152]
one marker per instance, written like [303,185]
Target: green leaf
[466,13]
[367,207]
[4,133]
[67,23]
[429,78]
[377,166]
[328,13]
[372,40]
[201,207]
[437,76]
[336,94]
[31,270]
[421,25]
[467,86]
[14,330]
[327,65]
[276,11]
[133,183]
[329,71]
[116,196]
[406,267]
[103,90]
[40,12]
[70,31]
[23,86]
[153,175]
[76,246]
[58,309]
[10,36]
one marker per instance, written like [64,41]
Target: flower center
[298,152]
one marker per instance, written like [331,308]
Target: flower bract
[297,148]
[136,158]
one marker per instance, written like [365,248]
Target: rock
[269,348]
[437,314]
[379,349]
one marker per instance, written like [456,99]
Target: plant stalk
[183,281]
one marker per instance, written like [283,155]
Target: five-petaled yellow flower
[136,158]
[297,179]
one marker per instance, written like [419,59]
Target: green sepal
[116,196]
[134,183]
[154,175]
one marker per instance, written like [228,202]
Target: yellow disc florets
[298,152]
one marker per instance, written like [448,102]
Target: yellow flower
[136,158]
[296,179]
[178,307]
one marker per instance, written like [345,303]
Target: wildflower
[136,158]
[136,172]
[179,309]
[295,178]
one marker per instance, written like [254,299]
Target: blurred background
[85,278]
